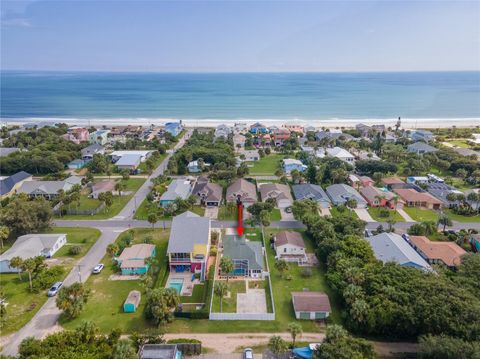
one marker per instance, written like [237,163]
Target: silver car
[98,268]
[54,289]
[248,353]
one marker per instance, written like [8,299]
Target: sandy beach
[407,123]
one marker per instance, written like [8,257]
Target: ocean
[235,96]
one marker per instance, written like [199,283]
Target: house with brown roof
[280,192]
[393,182]
[379,198]
[134,259]
[242,190]
[207,193]
[446,253]
[102,187]
[357,181]
[290,246]
[414,198]
[311,305]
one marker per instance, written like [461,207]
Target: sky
[240,36]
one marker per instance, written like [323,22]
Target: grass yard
[105,306]
[275,215]
[230,303]
[460,143]
[253,234]
[421,215]
[131,185]
[83,237]
[336,213]
[224,214]
[197,295]
[156,162]
[460,218]
[23,304]
[267,165]
[393,215]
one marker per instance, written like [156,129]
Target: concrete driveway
[286,216]
[211,212]
[363,214]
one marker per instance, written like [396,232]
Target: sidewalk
[405,215]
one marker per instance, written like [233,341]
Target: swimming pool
[176,284]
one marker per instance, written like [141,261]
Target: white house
[341,153]
[290,164]
[32,245]
[144,155]
[289,246]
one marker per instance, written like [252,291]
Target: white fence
[242,316]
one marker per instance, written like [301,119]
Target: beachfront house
[207,193]
[311,305]
[294,127]
[290,246]
[391,247]
[173,128]
[247,256]
[279,192]
[89,151]
[448,254]
[179,188]
[421,135]
[258,128]
[280,135]
[222,131]
[421,148]
[242,190]
[189,244]
[9,185]
[340,194]
[48,189]
[313,192]
[99,137]
[290,164]
[32,245]
[76,135]
[134,259]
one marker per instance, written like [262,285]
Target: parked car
[54,289]
[368,233]
[98,268]
[248,353]
[406,237]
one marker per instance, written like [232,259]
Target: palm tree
[277,345]
[4,233]
[17,263]
[444,220]
[295,330]
[221,289]
[282,266]
[29,265]
[112,249]
[391,222]
[226,266]
[359,310]
[152,219]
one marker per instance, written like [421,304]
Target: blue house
[290,164]
[258,129]
[133,260]
[421,135]
[173,128]
[76,164]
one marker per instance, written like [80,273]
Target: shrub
[74,250]
[306,272]
[383,213]
[214,238]
[46,277]
[213,250]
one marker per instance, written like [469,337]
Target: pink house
[76,135]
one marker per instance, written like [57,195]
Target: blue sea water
[319,96]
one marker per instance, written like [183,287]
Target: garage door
[304,315]
[320,315]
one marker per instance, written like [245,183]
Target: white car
[54,289]
[248,353]
[98,268]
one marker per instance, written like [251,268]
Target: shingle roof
[392,180]
[275,190]
[238,248]
[187,230]
[410,195]
[370,193]
[92,149]
[288,237]
[310,191]
[390,247]
[49,187]
[311,302]
[340,193]
[207,190]
[137,251]
[8,183]
[421,146]
[129,160]
[31,245]
[179,188]
[448,252]
[244,187]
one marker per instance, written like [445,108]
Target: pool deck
[187,288]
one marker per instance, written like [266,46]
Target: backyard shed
[132,302]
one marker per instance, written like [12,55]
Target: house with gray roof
[467,152]
[244,190]
[420,148]
[341,193]
[247,256]
[5,151]
[391,247]
[89,151]
[207,193]
[48,189]
[189,244]
[32,245]
[333,135]
[441,191]
[129,162]
[179,188]
[421,135]
[313,192]
[9,185]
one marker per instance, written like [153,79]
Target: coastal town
[238,240]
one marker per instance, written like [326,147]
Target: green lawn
[460,218]
[253,234]
[83,237]
[275,215]
[336,213]
[394,215]
[267,165]
[459,143]
[421,215]
[23,304]
[197,295]
[132,185]
[156,162]
[225,215]
[105,306]
[229,304]
[144,209]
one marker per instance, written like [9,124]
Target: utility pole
[79,266]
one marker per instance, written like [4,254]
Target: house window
[284,250]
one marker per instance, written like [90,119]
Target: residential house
[240,127]
[238,142]
[332,135]
[363,130]
[280,135]
[222,131]
[88,152]
[420,148]
[159,351]
[101,187]
[179,188]
[173,128]
[76,135]
[48,189]
[290,164]
[391,247]
[418,180]
[357,181]
[129,162]
[392,183]
[294,127]
[76,164]
[189,244]
[414,198]
[421,135]
[250,155]
[290,246]
[32,245]
[258,128]
[445,253]
[144,154]
[247,256]
[208,194]
[341,154]
[441,191]
[341,193]
[99,137]
[467,152]
[10,185]
[6,151]
[311,305]
[310,129]
[377,197]
[242,190]
[39,125]
[308,150]
[280,192]
[369,156]
[134,259]
[390,138]
[313,192]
